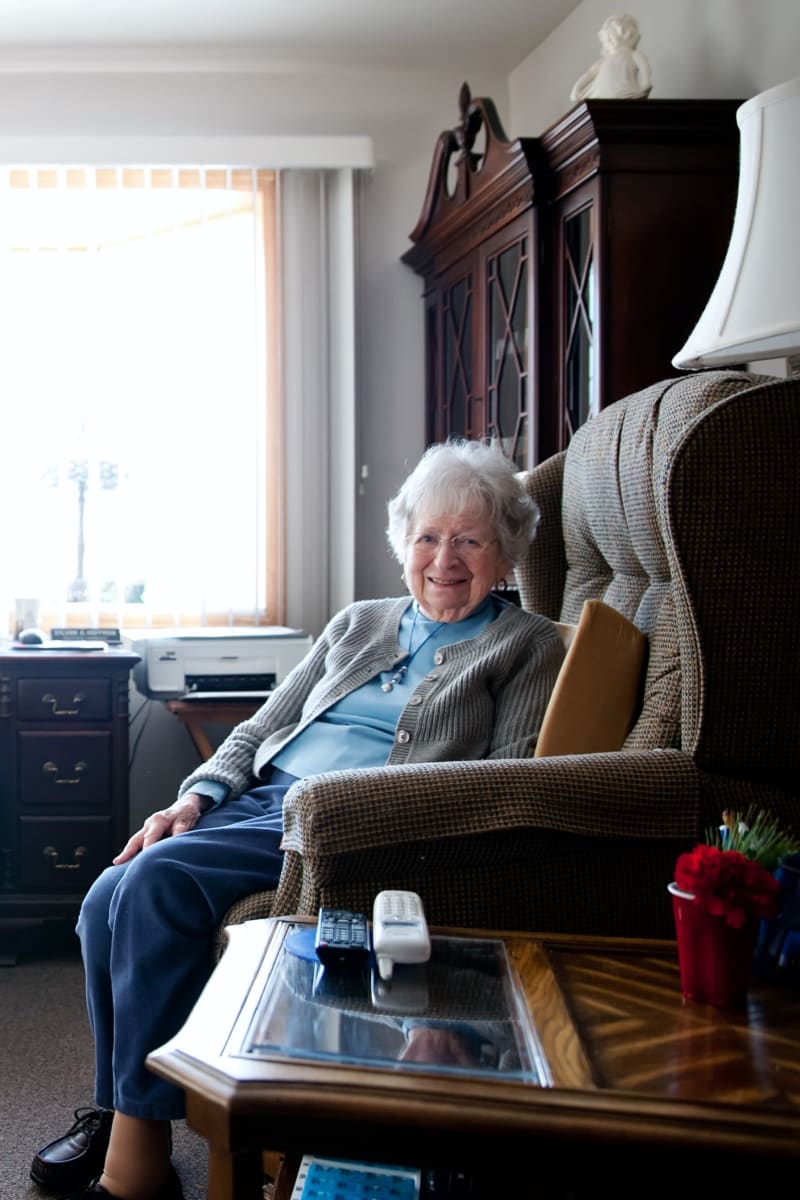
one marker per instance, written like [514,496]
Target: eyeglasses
[429,543]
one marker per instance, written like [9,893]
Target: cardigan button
[403,736]
[438,658]
[415,699]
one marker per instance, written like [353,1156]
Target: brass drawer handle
[78,853]
[51,768]
[52,700]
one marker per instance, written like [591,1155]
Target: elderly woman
[451,672]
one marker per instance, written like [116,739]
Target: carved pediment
[475,166]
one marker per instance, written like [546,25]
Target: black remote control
[342,938]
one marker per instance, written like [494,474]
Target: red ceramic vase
[715,960]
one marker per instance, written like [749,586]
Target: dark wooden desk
[63,775]
[194,714]
[648,1090]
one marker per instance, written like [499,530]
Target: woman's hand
[444,1047]
[178,818]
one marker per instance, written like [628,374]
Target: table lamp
[754,309]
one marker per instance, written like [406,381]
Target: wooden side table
[194,714]
[641,1089]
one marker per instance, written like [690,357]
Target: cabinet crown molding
[475,166]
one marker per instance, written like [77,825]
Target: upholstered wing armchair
[679,507]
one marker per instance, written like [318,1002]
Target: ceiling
[402,34]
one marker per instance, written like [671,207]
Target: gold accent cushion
[598,691]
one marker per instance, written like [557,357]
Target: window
[141,467]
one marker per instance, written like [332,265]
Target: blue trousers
[147,930]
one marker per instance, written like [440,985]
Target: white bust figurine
[622,72]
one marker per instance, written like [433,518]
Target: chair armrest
[501,844]
[512,844]
[625,794]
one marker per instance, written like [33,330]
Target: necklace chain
[402,670]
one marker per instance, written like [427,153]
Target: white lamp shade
[754,309]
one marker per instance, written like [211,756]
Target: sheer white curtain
[137,307]
[223,486]
[319,268]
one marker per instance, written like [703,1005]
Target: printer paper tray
[212,696]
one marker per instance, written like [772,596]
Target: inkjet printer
[180,663]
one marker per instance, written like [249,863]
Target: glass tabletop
[459,1013]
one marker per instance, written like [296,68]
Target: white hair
[457,475]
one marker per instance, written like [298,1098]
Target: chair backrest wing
[612,533]
[732,511]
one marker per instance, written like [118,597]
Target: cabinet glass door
[507,286]
[455,414]
[579,334]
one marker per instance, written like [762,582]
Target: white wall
[709,49]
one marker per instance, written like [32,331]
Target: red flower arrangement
[727,884]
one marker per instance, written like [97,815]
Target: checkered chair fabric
[679,506]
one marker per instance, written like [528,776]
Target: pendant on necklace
[398,677]
[400,673]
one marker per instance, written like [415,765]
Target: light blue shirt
[358,731]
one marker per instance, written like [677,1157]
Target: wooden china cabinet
[475,247]
[562,272]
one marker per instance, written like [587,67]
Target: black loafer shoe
[171,1190]
[78,1155]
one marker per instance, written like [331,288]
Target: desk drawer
[63,854]
[65,769]
[64,700]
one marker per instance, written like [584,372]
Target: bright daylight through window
[139,374]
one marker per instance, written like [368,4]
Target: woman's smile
[451,564]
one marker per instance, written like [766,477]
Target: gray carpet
[46,1062]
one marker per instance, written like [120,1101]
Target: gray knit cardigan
[484,698]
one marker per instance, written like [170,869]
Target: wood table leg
[285,1179]
[201,740]
[192,714]
[234,1176]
